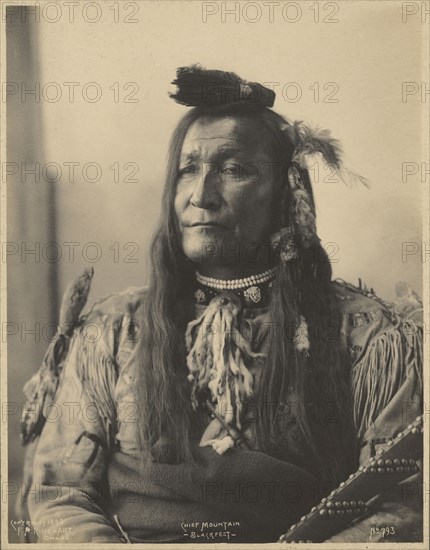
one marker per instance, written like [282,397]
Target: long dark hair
[317,384]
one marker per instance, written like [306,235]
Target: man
[243,385]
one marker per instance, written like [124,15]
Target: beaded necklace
[254,291]
[236,284]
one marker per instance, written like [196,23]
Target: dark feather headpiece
[199,87]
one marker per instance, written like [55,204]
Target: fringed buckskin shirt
[88,473]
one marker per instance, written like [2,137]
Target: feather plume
[317,141]
[408,304]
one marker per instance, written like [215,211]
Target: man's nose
[206,193]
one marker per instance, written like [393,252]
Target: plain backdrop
[367,54]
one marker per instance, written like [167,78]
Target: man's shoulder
[371,323]
[114,320]
[365,316]
[385,344]
[361,304]
[354,300]
[123,303]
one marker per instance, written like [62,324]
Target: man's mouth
[205,224]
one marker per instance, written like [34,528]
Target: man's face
[225,190]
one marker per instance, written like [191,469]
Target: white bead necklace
[236,284]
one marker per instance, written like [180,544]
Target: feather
[316,141]
[200,87]
[407,302]
[310,141]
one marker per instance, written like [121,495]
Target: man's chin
[205,252]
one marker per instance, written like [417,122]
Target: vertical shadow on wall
[32,290]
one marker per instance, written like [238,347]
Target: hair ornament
[285,243]
[199,87]
[310,142]
[301,338]
[302,208]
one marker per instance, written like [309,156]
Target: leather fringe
[41,389]
[97,371]
[383,369]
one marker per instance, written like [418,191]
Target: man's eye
[191,169]
[234,170]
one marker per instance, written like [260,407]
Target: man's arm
[70,461]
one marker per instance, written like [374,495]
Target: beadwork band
[237,284]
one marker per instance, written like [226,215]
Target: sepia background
[348,77]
